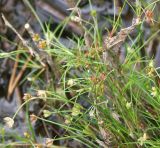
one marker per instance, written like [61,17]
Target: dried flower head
[33,118]
[9,122]
[49,142]
[76,19]
[102,76]
[92,113]
[36,37]
[100,122]
[154,91]
[76,110]
[71,82]
[150,69]
[27,96]
[46,113]
[143,139]
[41,93]
[149,16]
[94,79]
[27,135]
[42,44]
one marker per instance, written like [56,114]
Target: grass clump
[98,99]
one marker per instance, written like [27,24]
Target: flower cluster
[154,92]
